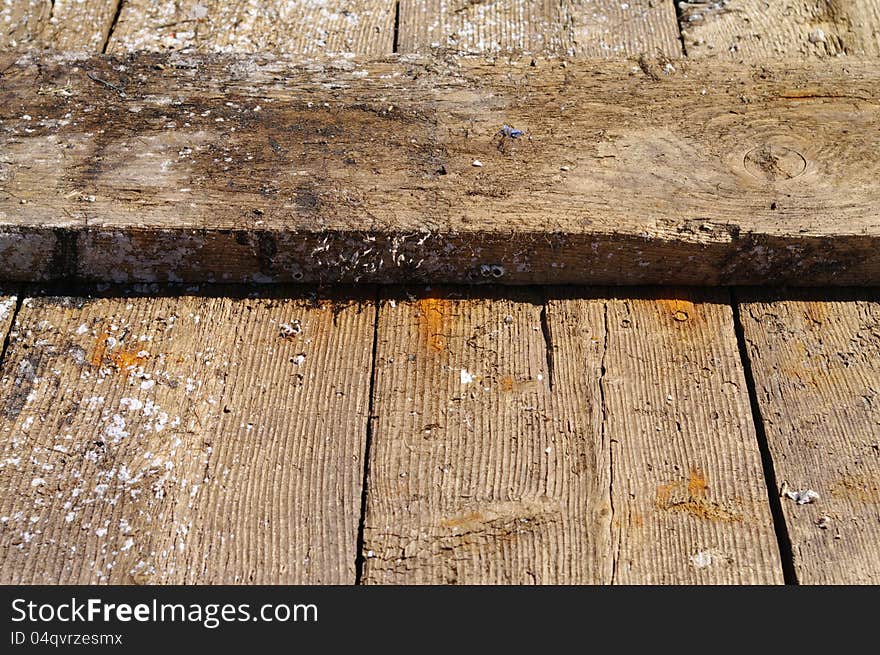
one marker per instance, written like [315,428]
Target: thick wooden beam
[199,168]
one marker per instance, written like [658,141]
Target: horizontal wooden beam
[212,168]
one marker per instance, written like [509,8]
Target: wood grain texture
[688,492]
[184,440]
[473,475]
[611,442]
[302,27]
[63,25]
[7,313]
[565,27]
[816,363]
[759,30]
[242,169]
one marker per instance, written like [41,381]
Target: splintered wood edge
[61,245]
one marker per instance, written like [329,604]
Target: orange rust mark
[462,521]
[697,486]
[99,349]
[509,383]
[124,360]
[690,497]
[432,312]
[664,491]
[681,310]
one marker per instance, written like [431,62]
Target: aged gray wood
[7,313]
[302,27]
[577,28]
[63,25]
[815,357]
[611,442]
[244,169]
[474,476]
[688,492]
[758,30]
[184,440]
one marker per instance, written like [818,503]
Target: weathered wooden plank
[815,358]
[757,30]
[184,440]
[22,21]
[302,27]
[473,476]
[564,27]
[610,442]
[244,169]
[688,493]
[72,25]
[7,313]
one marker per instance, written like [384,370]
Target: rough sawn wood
[193,168]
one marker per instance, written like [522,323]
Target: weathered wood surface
[302,27]
[757,29]
[473,478]
[184,440]
[689,497]
[63,25]
[7,312]
[568,27]
[240,169]
[816,364]
[609,442]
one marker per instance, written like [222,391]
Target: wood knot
[772,163]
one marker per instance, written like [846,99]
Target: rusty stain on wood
[483,472]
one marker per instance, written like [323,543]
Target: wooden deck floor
[438,435]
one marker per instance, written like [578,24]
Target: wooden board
[243,169]
[184,440]
[303,27]
[688,491]
[815,359]
[473,478]
[759,30]
[64,25]
[8,305]
[571,27]
[604,441]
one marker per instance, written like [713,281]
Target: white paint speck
[805,497]
[703,559]
[132,404]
